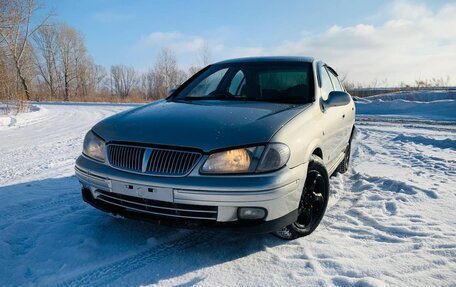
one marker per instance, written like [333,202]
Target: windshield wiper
[214,96]
[205,98]
[281,100]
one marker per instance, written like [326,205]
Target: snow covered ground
[391,219]
[434,105]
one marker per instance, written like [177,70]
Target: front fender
[303,134]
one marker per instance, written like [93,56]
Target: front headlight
[247,160]
[233,161]
[94,147]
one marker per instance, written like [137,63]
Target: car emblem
[139,191]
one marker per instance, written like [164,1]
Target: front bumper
[194,199]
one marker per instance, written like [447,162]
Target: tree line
[44,60]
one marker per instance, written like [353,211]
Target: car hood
[203,125]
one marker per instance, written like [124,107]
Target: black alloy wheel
[313,202]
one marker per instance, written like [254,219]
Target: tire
[345,163]
[313,202]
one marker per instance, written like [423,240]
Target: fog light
[251,213]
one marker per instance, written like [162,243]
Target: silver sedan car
[245,144]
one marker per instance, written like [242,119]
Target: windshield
[269,82]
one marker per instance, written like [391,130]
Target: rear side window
[326,85]
[335,81]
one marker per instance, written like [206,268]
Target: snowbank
[5,121]
[433,105]
[438,143]
[15,119]
[417,96]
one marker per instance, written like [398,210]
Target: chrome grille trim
[152,161]
[126,157]
[160,208]
[171,162]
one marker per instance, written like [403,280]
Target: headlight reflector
[230,161]
[94,147]
[244,160]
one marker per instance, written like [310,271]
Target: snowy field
[391,219]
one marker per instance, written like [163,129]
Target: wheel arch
[314,148]
[318,152]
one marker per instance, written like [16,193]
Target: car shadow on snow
[50,236]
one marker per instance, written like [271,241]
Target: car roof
[291,59]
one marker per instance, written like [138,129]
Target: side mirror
[171,91]
[337,99]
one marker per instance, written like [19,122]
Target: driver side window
[209,84]
[237,84]
[326,85]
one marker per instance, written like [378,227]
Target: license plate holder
[142,191]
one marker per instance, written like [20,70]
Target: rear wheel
[343,166]
[313,202]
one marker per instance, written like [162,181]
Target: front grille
[126,157]
[171,162]
[160,208]
[153,161]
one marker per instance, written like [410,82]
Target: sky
[381,43]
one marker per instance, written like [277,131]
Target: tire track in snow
[107,273]
[41,208]
[350,188]
[345,212]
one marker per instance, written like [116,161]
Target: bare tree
[6,78]
[193,70]
[348,84]
[85,83]
[72,54]
[148,85]
[166,73]
[16,28]
[90,77]
[46,55]
[52,60]
[63,62]
[99,76]
[123,80]
[205,55]
[204,59]
[166,65]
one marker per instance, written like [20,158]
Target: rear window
[282,79]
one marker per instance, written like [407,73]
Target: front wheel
[313,202]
